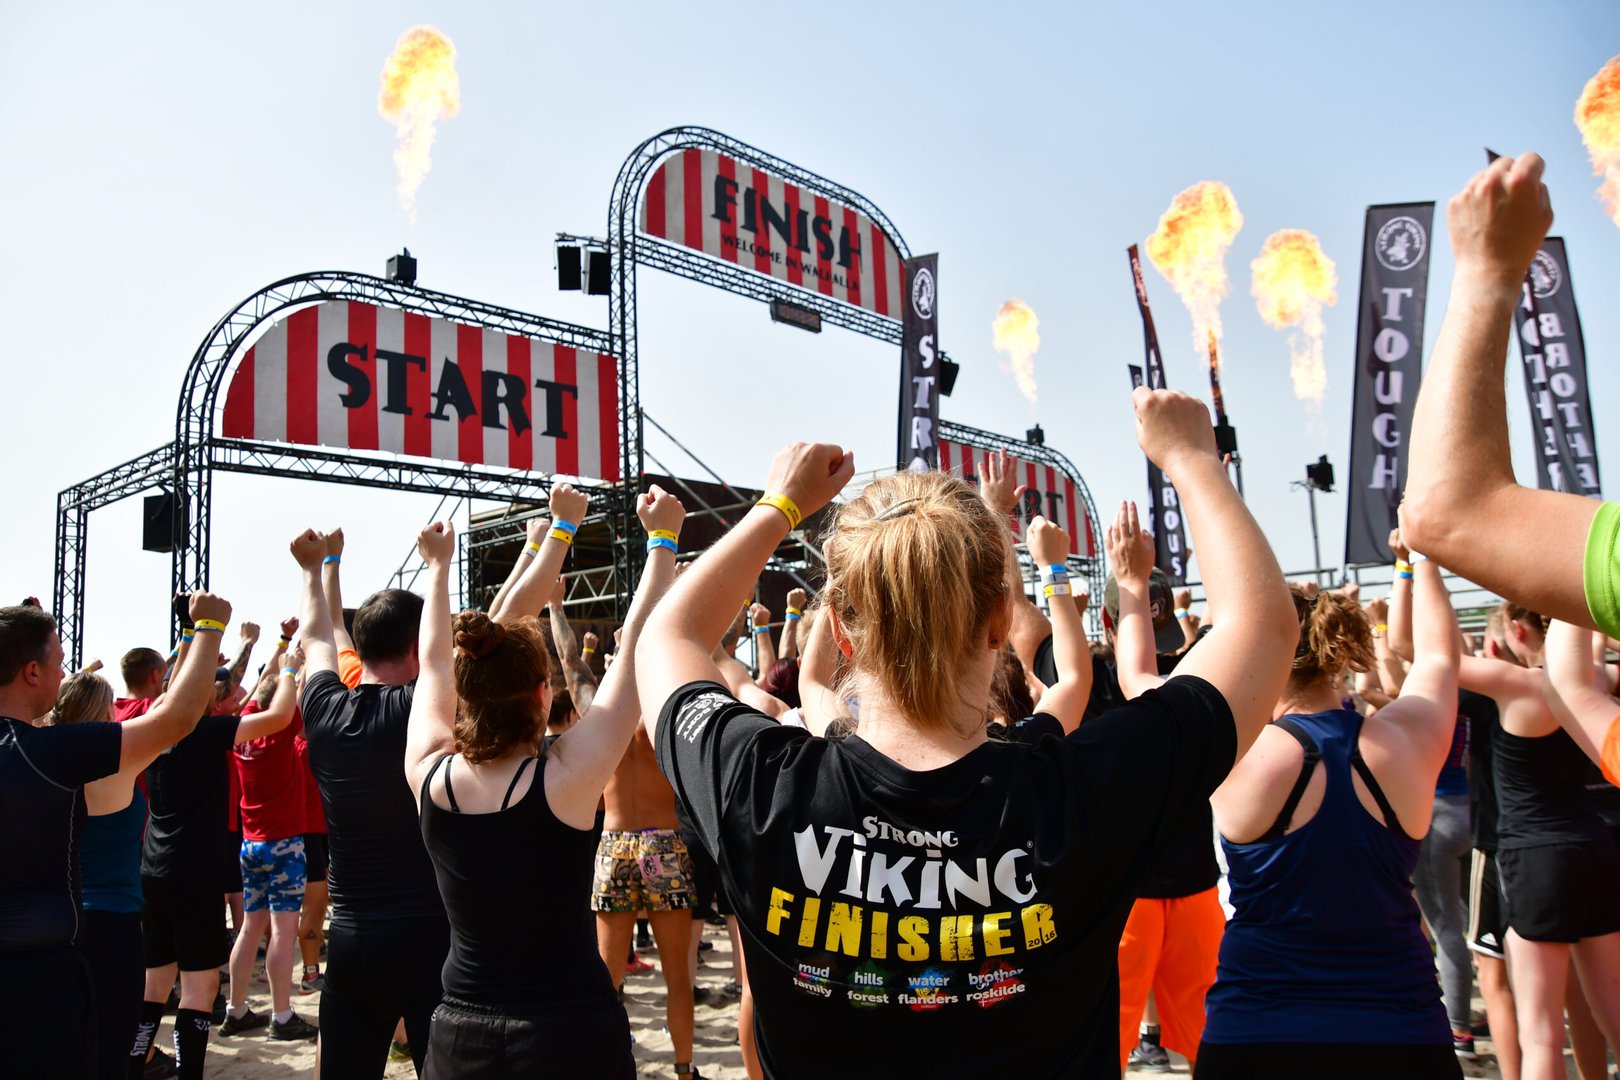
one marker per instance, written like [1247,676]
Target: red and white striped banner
[1052,494]
[733,211]
[353,375]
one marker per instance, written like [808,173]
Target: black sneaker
[294,1029]
[702,995]
[705,946]
[1150,1057]
[248,1021]
[644,939]
[1464,1046]
[161,1067]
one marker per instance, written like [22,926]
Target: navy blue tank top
[1325,945]
[110,856]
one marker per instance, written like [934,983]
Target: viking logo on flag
[733,211]
[361,377]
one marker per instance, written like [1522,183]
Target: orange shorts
[1169,947]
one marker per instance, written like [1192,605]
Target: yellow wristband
[795,611]
[789,508]
[1381,628]
[587,650]
[209,624]
[663,534]
[1402,567]
[562,534]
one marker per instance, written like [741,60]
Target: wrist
[1181,613]
[331,560]
[786,505]
[1487,281]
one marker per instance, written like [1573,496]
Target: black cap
[1167,635]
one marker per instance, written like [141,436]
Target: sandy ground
[255,1057]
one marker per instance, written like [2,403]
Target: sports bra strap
[522,765]
[1391,822]
[450,792]
[1313,754]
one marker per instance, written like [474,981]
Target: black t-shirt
[378,867]
[1541,795]
[1483,721]
[188,788]
[959,921]
[42,776]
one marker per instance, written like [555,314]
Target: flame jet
[1597,117]
[1293,280]
[1016,335]
[419,88]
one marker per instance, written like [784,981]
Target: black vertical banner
[1164,513]
[1389,368]
[919,366]
[1554,356]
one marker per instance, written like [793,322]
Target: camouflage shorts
[648,869]
[273,874]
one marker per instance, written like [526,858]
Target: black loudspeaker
[597,269]
[948,371]
[157,522]
[568,269]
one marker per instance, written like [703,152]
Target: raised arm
[792,619]
[1425,713]
[1130,552]
[1248,654]
[332,584]
[760,616]
[585,756]
[534,534]
[681,633]
[1463,507]
[432,727]
[1573,692]
[1066,700]
[1400,599]
[819,703]
[1001,492]
[576,668]
[320,647]
[249,632]
[190,690]
[279,714]
[528,596]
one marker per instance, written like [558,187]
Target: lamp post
[1318,477]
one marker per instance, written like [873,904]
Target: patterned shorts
[273,874]
[647,869]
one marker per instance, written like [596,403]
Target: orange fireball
[1597,116]
[419,88]
[1189,248]
[1293,280]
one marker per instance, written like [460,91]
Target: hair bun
[477,635]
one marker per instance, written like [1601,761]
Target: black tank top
[1541,792]
[516,886]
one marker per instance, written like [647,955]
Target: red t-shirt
[267,769]
[128,708]
[314,814]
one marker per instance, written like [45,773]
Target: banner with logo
[919,366]
[1554,356]
[1389,368]
[1164,512]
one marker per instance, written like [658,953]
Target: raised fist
[1497,221]
[797,598]
[289,627]
[658,509]
[437,543]
[1048,544]
[205,605]
[249,631]
[590,640]
[1398,545]
[810,474]
[759,614]
[1172,426]
[559,591]
[334,542]
[309,548]
[568,503]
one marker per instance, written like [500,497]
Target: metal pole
[1220,406]
[1316,541]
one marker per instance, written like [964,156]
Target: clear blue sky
[164,162]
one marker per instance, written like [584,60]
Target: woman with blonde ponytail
[917,899]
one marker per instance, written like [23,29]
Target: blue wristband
[566,526]
[660,542]
[332,559]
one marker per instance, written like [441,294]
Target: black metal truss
[1093,569]
[628,247]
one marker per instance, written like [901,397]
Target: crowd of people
[949,833]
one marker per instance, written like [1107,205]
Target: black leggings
[1321,1061]
[376,974]
[471,1042]
[111,944]
[47,1014]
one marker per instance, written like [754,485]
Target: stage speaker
[157,531]
[568,270]
[948,371]
[597,270]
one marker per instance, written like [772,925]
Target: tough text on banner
[1389,368]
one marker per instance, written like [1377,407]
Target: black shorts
[315,857]
[1487,927]
[474,1043]
[1561,892]
[705,880]
[230,866]
[1319,1061]
[183,923]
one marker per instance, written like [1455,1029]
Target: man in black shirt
[389,935]
[46,1021]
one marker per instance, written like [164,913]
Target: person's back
[1324,921]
